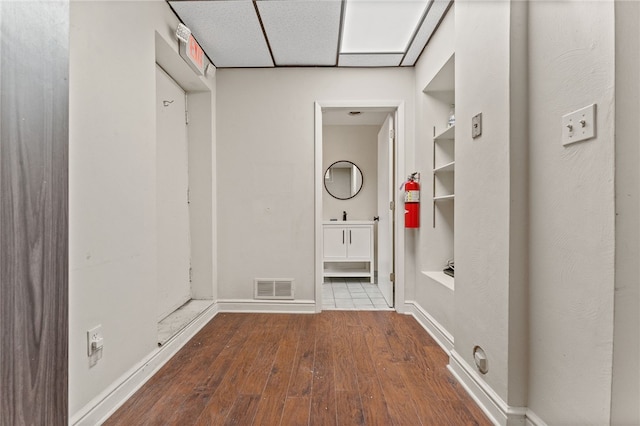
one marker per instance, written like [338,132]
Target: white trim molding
[100,408]
[433,327]
[534,420]
[267,306]
[498,411]
[400,124]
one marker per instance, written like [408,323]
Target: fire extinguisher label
[412,196]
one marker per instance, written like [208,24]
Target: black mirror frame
[325,181]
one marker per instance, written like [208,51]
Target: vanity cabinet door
[359,243]
[335,242]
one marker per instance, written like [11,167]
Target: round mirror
[343,180]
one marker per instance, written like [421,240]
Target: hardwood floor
[333,368]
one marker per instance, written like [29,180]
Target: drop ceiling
[312,33]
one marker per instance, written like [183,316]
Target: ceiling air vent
[273,288]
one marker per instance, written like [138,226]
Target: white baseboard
[534,420]
[487,399]
[267,306]
[433,327]
[106,403]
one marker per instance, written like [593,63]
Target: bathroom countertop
[347,222]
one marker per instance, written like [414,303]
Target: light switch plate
[476,125]
[579,125]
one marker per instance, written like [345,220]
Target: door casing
[399,108]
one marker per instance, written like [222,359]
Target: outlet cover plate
[476,125]
[93,335]
[579,125]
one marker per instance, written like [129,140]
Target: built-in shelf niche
[441,93]
[444,165]
[441,278]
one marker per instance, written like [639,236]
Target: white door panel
[385,196]
[172,181]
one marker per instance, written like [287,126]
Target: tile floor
[352,294]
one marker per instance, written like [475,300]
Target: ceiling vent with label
[273,288]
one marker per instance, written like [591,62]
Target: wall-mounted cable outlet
[476,125]
[95,342]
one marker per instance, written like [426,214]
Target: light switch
[579,125]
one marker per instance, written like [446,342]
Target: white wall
[535,220]
[433,246]
[202,193]
[626,343]
[112,186]
[483,176]
[572,213]
[266,147]
[358,144]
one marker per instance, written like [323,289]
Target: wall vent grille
[273,288]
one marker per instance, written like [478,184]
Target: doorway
[172,196]
[186,179]
[382,122]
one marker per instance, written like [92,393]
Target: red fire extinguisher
[412,201]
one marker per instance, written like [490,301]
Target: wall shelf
[449,167]
[441,92]
[441,278]
[448,134]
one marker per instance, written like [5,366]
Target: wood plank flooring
[333,368]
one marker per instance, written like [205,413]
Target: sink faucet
[344,215]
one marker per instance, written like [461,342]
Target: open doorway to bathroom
[356,172]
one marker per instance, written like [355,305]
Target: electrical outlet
[94,340]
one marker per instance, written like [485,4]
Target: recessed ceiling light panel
[375,26]
[370,60]
[436,12]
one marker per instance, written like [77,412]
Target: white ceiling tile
[370,60]
[302,32]
[434,16]
[380,25]
[306,32]
[228,31]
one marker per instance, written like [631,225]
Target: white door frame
[399,177]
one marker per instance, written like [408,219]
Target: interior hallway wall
[571,203]
[572,220]
[112,232]
[431,242]
[625,392]
[489,285]
[359,145]
[266,166]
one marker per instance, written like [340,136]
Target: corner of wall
[626,334]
